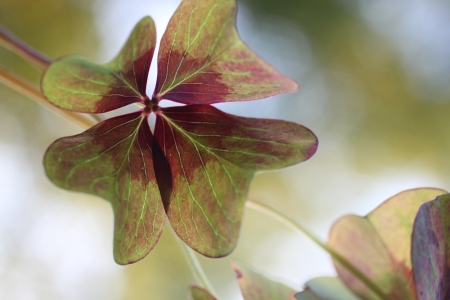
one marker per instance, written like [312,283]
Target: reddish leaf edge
[399,193]
[312,147]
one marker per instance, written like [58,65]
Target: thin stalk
[16,45]
[13,43]
[195,267]
[283,218]
[28,89]
[21,85]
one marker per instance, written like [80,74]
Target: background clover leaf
[202,60]
[431,250]
[198,293]
[379,245]
[77,84]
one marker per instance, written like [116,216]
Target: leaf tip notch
[202,59]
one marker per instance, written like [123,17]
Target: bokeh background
[375,88]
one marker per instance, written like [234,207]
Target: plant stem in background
[195,267]
[276,214]
[21,85]
[28,89]
[16,45]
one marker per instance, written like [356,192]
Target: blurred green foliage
[397,123]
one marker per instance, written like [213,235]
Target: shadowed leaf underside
[213,157]
[431,250]
[77,84]
[113,160]
[379,245]
[202,59]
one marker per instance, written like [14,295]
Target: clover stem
[23,86]
[28,89]
[13,43]
[195,267]
[258,205]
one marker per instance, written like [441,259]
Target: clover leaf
[325,288]
[379,245]
[197,166]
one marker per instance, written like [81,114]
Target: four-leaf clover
[197,165]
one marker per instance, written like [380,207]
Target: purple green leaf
[255,286]
[77,84]
[326,288]
[113,160]
[431,250]
[213,157]
[199,167]
[378,245]
[202,60]
[198,293]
